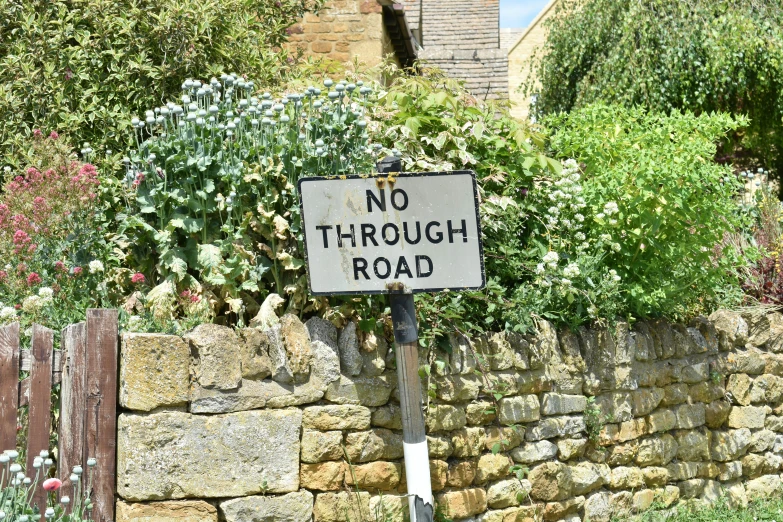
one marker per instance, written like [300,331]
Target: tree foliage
[86,66]
[697,55]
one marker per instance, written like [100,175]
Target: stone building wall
[282,423]
[343,31]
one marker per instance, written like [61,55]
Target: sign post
[396,233]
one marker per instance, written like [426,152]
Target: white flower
[572,270]
[570,163]
[606,237]
[584,246]
[553,211]
[45,293]
[612,222]
[545,283]
[600,215]
[567,223]
[95,266]
[565,282]
[616,247]
[551,257]
[579,217]
[593,311]
[575,177]
[580,236]
[7,313]
[31,304]
[540,268]
[611,208]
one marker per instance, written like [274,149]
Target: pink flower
[185,294]
[33,279]
[77,270]
[138,278]
[52,484]
[3,275]
[54,135]
[37,133]
[59,266]
[195,298]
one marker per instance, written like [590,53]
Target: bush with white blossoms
[18,488]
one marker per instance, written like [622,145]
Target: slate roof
[508,37]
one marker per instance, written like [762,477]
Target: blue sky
[519,13]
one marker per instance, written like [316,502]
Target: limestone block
[617,406]
[461,474]
[374,351]
[674,394]
[762,441]
[379,443]
[655,477]
[480,413]
[731,327]
[368,391]
[626,478]
[375,476]
[559,404]
[445,417]
[747,417]
[389,416]
[631,430]
[533,452]
[388,508]
[217,347]
[319,446]
[750,362]
[729,471]
[644,401]
[492,467]
[336,417]
[587,477]
[568,449]
[693,445]
[690,416]
[351,360]
[621,454]
[533,382]
[763,487]
[174,455]
[691,488]
[679,471]
[514,410]
[505,438]
[708,470]
[520,348]
[669,495]
[656,451]
[774,423]
[736,495]
[254,353]
[341,507]
[598,508]
[551,481]
[439,474]
[457,388]
[325,367]
[661,420]
[562,510]
[463,503]
[768,388]
[278,359]
[506,493]
[696,373]
[553,427]
[468,442]
[706,392]
[642,500]
[323,476]
[738,389]
[251,395]
[773,363]
[730,445]
[323,331]
[154,371]
[717,413]
[175,511]
[440,446]
[758,329]
[500,353]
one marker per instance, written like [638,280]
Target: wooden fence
[86,368]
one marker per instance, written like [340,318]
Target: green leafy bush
[85,67]
[697,55]
[660,201]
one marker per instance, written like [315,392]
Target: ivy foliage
[696,55]
[86,66]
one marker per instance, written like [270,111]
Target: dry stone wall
[296,422]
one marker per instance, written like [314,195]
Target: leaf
[174,260]
[209,256]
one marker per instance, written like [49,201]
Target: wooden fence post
[101,411]
[40,409]
[72,405]
[9,385]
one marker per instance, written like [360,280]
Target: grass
[761,510]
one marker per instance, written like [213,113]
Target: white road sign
[362,233]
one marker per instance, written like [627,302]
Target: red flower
[3,275]
[54,135]
[195,298]
[60,266]
[37,133]
[138,278]
[77,270]
[52,484]
[33,279]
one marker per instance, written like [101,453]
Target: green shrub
[86,66]
[671,204]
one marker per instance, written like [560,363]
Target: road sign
[420,229]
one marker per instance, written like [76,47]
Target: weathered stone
[691,488]
[729,471]
[217,347]
[758,329]
[568,449]
[773,364]
[656,451]
[616,406]
[439,474]
[365,390]
[642,500]
[669,495]
[251,395]
[533,452]
[154,371]
[463,503]
[587,477]
[738,389]
[750,362]
[730,445]
[693,445]
[661,420]
[175,511]
[506,493]
[514,410]
[374,351]
[445,417]
[763,487]
[503,438]
[501,354]
[461,475]
[254,354]
[736,495]
[351,361]
[655,477]
[336,417]
[631,430]
[375,476]
[323,331]
[774,423]
[440,447]
[756,465]
[768,388]
[708,470]
[552,427]
[492,467]
[318,446]
[162,456]
[326,363]
[561,510]
[388,508]
[379,443]
[468,442]
[533,382]
[644,401]
[717,413]
[520,348]
[690,416]
[679,471]
[731,327]
[457,388]
[626,478]
[480,413]
[341,507]
[747,417]
[674,394]
[706,392]
[558,404]
[621,454]
[762,441]
[461,358]
[324,476]
[278,359]
[695,373]
[598,508]
[551,481]
[622,504]
[389,416]
[297,346]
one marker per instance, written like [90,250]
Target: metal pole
[406,337]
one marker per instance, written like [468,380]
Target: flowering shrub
[763,280]
[17,491]
[211,191]
[49,237]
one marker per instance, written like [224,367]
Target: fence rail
[86,368]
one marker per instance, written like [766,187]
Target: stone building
[462,37]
